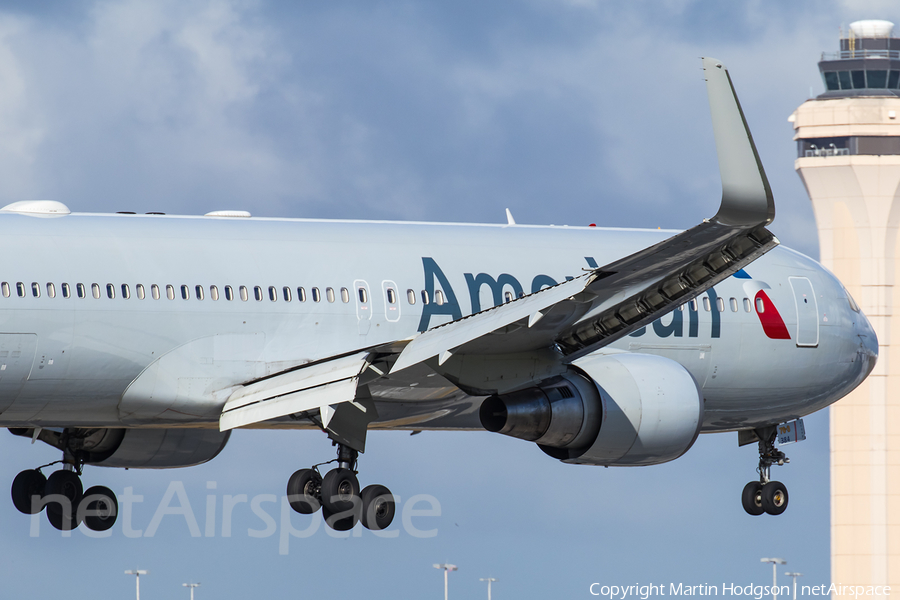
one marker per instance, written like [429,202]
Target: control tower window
[876,79]
[844,77]
[831,80]
[893,79]
[859,79]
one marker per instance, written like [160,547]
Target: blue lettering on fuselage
[675,327]
[667,325]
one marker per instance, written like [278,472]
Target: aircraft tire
[58,520]
[103,507]
[26,485]
[378,507]
[774,498]
[303,491]
[751,499]
[64,483]
[344,520]
[340,491]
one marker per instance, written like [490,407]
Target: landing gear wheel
[340,491]
[25,486]
[59,519]
[102,508]
[774,497]
[751,498]
[303,491]
[63,483]
[378,507]
[344,520]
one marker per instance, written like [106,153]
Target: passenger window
[680,307]
[329,293]
[5,287]
[693,305]
[345,295]
[36,289]
[424,296]
[20,289]
[410,296]
[363,296]
[257,293]
[170,291]
[301,294]
[720,304]
[734,304]
[391,296]
[760,307]
[154,291]
[95,291]
[315,294]
[110,291]
[286,292]
[66,290]
[139,290]
[80,291]
[508,296]
[439,297]
[185,292]
[747,304]
[245,295]
[273,293]
[126,291]
[198,291]
[214,292]
[706,305]
[229,293]
[51,290]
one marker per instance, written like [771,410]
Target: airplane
[142,340]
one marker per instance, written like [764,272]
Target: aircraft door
[363,305]
[807,312]
[391,301]
[16,358]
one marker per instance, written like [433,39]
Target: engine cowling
[614,410]
[135,448]
[165,448]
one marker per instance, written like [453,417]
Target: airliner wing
[612,301]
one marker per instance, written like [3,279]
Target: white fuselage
[141,348]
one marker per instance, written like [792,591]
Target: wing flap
[310,387]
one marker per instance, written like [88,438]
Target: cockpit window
[853,304]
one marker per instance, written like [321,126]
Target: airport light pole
[447,568]
[795,576]
[137,577]
[489,580]
[192,586]
[775,562]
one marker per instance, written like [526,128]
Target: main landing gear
[766,496]
[64,498]
[338,495]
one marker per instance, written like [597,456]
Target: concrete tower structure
[848,156]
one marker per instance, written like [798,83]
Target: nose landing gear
[339,496]
[765,495]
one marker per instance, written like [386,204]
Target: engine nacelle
[613,410]
[166,448]
[135,448]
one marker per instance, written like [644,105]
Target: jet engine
[608,409]
[136,448]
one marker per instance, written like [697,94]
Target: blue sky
[565,111]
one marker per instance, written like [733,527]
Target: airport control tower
[848,156]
